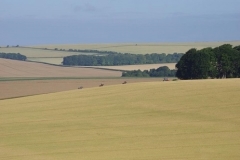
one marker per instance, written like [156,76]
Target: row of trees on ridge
[121,59]
[15,56]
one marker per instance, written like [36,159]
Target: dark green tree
[186,65]
[223,57]
[220,62]
[237,48]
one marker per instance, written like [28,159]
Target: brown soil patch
[14,68]
[11,89]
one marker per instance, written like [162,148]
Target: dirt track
[11,89]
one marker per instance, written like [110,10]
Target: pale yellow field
[143,48]
[57,61]
[136,67]
[155,120]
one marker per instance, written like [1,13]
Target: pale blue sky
[28,22]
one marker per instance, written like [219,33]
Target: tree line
[159,72]
[219,62]
[15,56]
[91,51]
[115,59]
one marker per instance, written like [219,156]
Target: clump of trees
[219,62]
[115,59]
[159,72]
[15,56]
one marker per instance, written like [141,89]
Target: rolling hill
[153,120]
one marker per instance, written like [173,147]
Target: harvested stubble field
[14,87]
[14,68]
[152,120]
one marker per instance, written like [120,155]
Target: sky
[34,22]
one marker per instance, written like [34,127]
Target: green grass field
[142,121]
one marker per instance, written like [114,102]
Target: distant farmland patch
[143,48]
[62,50]
[41,54]
[31,52]
[50,60]
[13,68]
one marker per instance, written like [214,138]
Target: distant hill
[142,48]
[54,53]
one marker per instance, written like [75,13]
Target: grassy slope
[154,120]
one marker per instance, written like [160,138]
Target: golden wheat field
[153,120]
